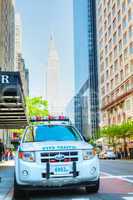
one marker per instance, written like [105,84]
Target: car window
[29,137]
[55,133]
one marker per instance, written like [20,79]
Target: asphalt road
[117,167]
[116,184]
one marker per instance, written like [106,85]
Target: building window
[131,66]
[119,16]
[105,38]
[116,79]
[107,74]
[115,52]
[102,79]
[125,53]
[130,31]
[116,65]
[113,10]
[109,5]
[129,14]
[123,6]
[111,70]
[121,75]
[114,23]
[110,57]
[106,49]
[120,46]
[131,48]
[101,55]
[125,38]
[106,62]
[103,90]
[124,23]
[114,38]
[112,83]
[100,32]
[109,31]
[119,31]
[105,24]
[110,43]
[105,13]
[126,70]
[109,18]
[128,1]
[121,60]
[118,3]
[107,87]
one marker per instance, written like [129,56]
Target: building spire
[52,48]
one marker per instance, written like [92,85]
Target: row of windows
[114,26]
[113,70]
[113,58]
[118,92]
[114,5]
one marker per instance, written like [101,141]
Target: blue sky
[39,19]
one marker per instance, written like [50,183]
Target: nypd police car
[55,155]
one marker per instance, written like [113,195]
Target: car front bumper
[84,173]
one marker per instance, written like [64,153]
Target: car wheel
[93,189]
[18,193]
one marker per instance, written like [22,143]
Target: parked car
[109,154]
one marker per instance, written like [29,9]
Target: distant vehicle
[55,155]
[109,154]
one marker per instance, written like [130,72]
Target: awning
[12,103]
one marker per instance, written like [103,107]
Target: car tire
[93,189]
[19,193]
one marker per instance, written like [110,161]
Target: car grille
[67,156]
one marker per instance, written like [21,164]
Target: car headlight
[88,154]
[27,156]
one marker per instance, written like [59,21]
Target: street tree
[36,106]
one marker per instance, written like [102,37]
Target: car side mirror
[85,139]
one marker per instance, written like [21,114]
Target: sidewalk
[8,163]
[6,180]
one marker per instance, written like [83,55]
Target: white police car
[55,155]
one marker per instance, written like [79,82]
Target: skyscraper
[115,43]
[18,39]
[7,34]
[19,60]
[86,69]
[52,78]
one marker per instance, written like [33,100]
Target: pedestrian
[1,150]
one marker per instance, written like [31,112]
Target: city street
[116,184]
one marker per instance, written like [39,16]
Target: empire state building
[52,78]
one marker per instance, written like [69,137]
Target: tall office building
[18,39]
[7,33]
[19,60]
[115,42]
[86,69]
[52,78]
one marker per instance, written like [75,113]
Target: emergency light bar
[49,118]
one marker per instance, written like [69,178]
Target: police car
[53,154]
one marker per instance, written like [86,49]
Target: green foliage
[36,106]
[123,130]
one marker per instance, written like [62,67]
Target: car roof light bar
[49,118]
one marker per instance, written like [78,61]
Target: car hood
[54,146]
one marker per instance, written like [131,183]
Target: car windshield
[51,133]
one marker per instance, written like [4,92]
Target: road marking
[122,177]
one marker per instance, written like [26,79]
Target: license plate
[61,169]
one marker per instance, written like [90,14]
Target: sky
[40,18]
